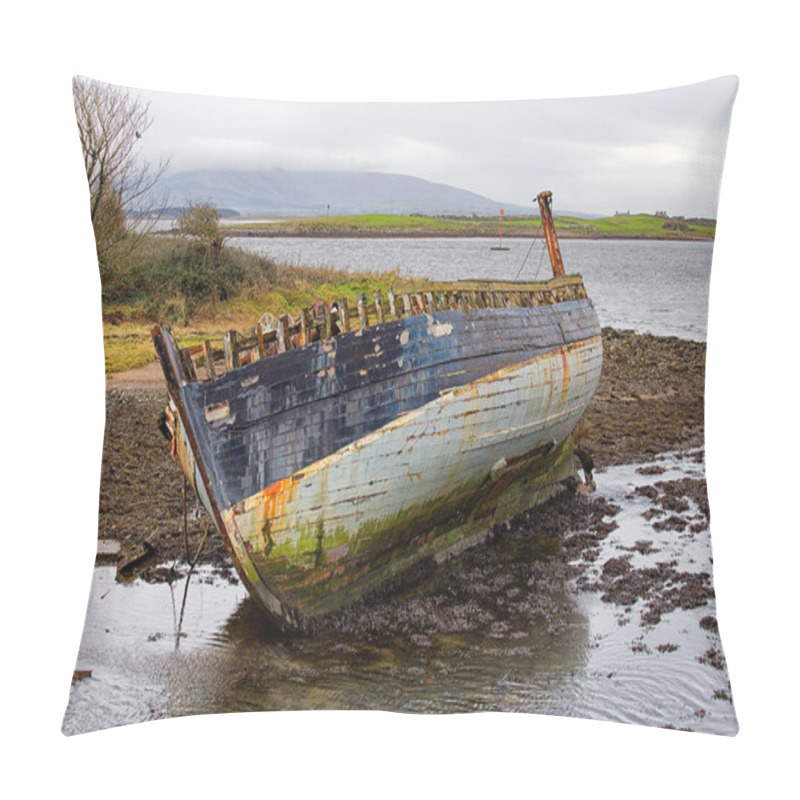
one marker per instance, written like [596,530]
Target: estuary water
[658,287]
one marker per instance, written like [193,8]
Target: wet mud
[518,579]
[142,489]
[650,398]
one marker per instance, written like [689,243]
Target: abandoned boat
[336,451]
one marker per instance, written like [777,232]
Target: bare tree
[111,121]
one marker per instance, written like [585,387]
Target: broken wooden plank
[283,333]
[362,311]
[229,348]
[208,355]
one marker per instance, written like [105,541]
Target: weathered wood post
[362,311]
[326,321]
[283,333]
[229,347]
[305,325]
[208,355]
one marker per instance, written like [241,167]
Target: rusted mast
[545,200]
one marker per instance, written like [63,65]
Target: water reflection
[472,636]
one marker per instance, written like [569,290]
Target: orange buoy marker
[501,233]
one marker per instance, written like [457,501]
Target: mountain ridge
[281,192]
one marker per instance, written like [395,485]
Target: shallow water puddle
[664,659]
[161,650]
[133,635]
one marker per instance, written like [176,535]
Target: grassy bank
[205,294]
[622,226]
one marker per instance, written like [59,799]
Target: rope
[524,260]
[539,268]
[192,565]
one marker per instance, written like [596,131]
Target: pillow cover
[404,407]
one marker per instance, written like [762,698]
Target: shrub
[178,275]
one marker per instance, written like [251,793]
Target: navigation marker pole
[501,233]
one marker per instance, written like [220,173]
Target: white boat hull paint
[329,512]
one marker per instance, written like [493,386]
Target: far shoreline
[256,233]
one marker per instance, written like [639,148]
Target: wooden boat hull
[335,467]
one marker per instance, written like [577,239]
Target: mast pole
[548,226]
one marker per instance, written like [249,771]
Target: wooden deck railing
[322,320]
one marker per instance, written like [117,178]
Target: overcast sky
[659,150]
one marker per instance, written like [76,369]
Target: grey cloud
[660,149]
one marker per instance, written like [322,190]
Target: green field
[623,226]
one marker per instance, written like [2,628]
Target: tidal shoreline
[267,233]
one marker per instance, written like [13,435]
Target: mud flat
[650,399]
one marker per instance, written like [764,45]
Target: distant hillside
[279,192]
